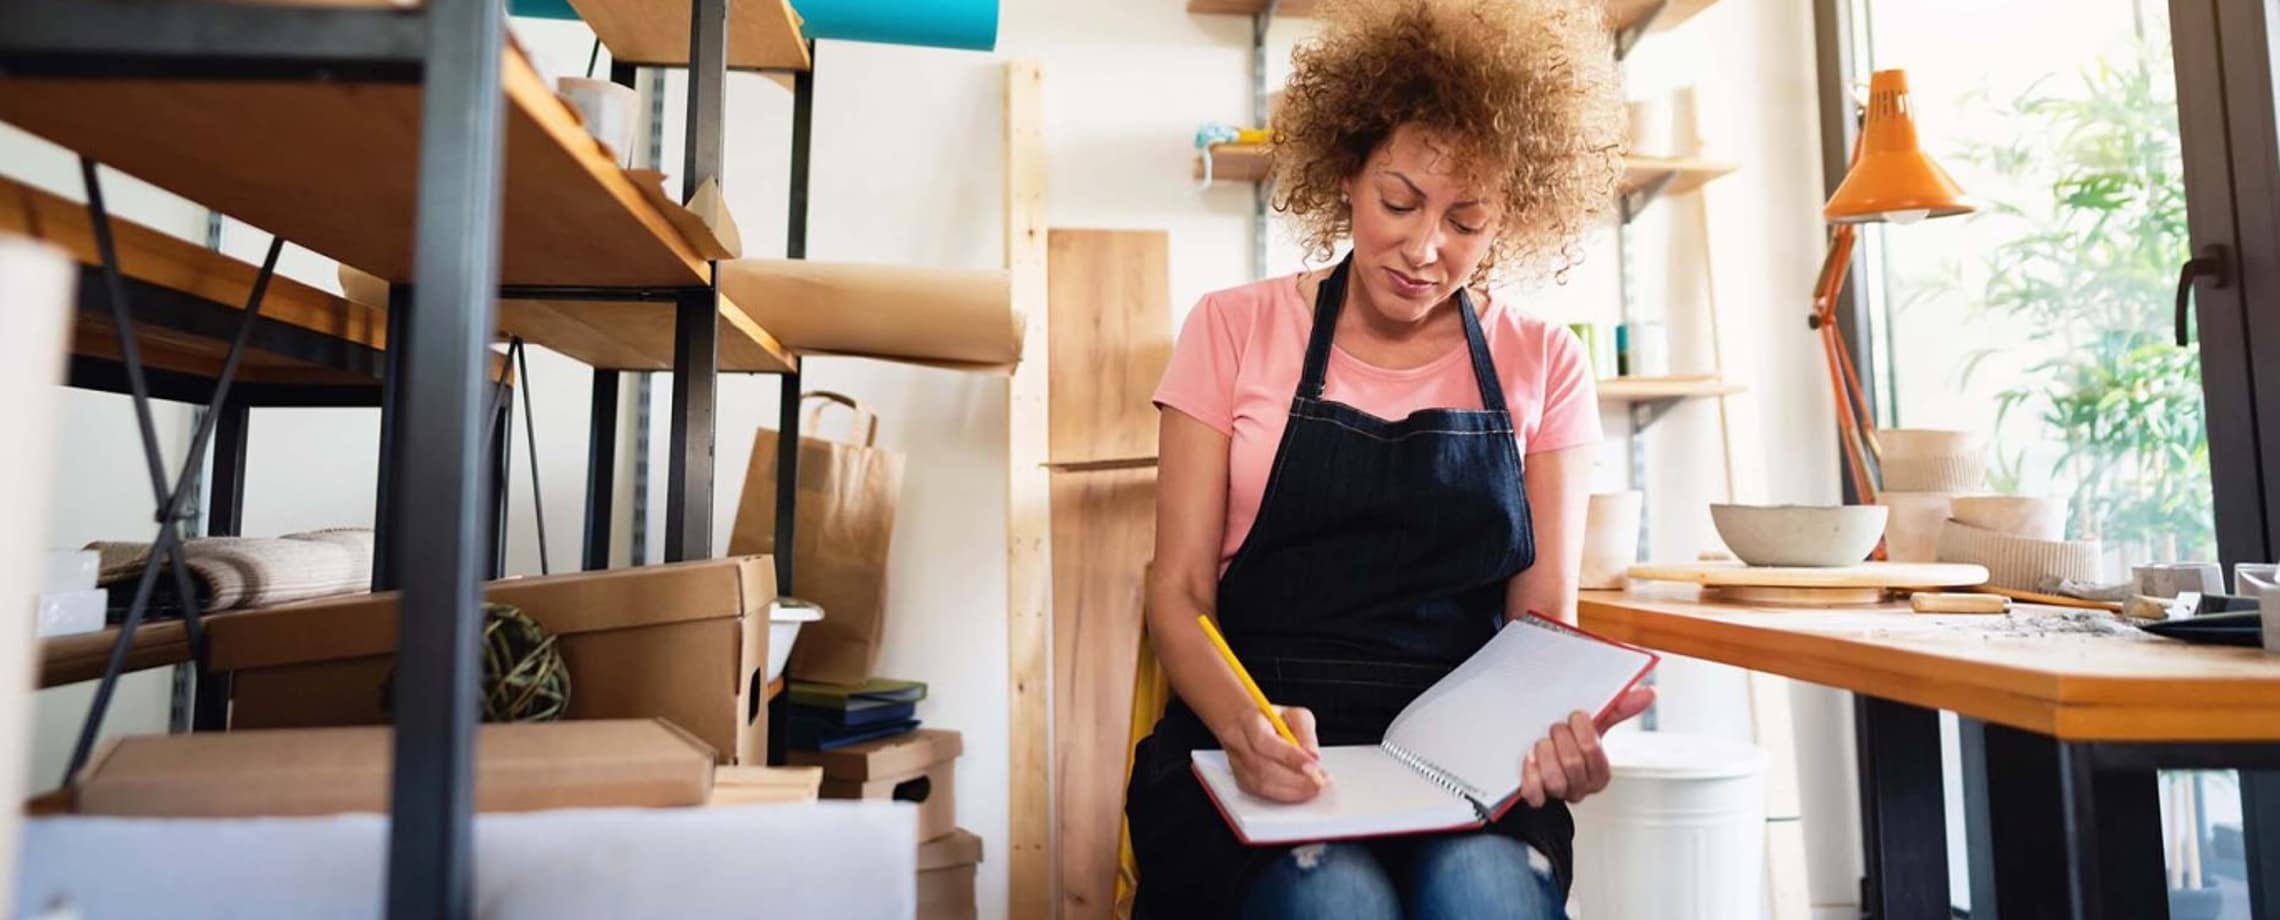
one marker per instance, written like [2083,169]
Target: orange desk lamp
[1890,179]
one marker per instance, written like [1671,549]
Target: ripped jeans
[1448,877]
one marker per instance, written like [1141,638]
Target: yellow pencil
[1257,696]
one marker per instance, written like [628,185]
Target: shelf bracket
[1628,37]
[1637,200]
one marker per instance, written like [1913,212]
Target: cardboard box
[632,763]
[686,642]
[919,767]
[946,876]
[765,785]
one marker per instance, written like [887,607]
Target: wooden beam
[1028,564]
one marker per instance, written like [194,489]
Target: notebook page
[1479,722]
[1371,794]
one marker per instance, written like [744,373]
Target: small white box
[70,570]
[66,613]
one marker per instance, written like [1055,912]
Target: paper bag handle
[866,421]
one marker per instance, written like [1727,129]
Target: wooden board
[1864,575]
[634,336]
[2070,685]
[1642,389]
[1110,295]
[1104,465]
[171,262]
[71,659]
[1103,535]
[1621,14]
[1688,173]
[762,34]
[1029,521]
[1799,597]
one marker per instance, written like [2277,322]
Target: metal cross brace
[169,500]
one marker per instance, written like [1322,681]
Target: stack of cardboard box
[919,767]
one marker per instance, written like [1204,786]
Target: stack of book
[827,717]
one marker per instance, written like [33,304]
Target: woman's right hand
[1273,769]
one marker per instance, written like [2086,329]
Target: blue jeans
[1452,877]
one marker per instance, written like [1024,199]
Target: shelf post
[601,469]
[787,478]
[391,457]
[225,486]
[708,85]
[436,480]
[689,470]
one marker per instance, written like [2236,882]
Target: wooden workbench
[2065,718]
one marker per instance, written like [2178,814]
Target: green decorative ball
[524,676]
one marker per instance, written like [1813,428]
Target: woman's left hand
[1569,765]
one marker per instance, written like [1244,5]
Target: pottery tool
[1952,602]
[2053,600]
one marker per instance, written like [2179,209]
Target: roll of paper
[968,24]
[961,318]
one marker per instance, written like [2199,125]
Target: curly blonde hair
[1524,94]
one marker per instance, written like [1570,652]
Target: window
[2045,321]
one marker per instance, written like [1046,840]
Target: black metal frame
[2061,828]
[433,446]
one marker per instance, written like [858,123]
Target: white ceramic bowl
[1800,535]
[785,617]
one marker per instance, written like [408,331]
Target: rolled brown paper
[943,316]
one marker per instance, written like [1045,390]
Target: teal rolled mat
[971,25]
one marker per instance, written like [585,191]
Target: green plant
[2088,274]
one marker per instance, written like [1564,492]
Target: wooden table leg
[1903,816]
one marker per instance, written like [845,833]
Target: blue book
[808,736]
[856,714]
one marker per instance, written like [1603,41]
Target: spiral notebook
[1452,759]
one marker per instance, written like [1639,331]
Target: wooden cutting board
[1864,575]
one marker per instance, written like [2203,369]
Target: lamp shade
[1892,179]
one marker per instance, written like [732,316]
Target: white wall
[907,168]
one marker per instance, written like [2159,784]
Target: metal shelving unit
[142,84]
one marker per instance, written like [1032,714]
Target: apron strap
[1331,297]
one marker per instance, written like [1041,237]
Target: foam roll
[971,25]
[957,318]
[2019,563]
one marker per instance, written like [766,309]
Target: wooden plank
[1106,465]
[1691,173]
[1640,389]
[332,166]
[1864,575]
[1110,337]
[1110,296]
[1103,533]
[149,255]
[762,34]
[2066,683]
[165,349]
[71,659]
[1029,517]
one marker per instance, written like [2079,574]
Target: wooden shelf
[775,689]
[1097,466]
[71,659]
[1248,163]
[1622,14]
[1687,173]
[762,34]
[332,166]
[1644,389]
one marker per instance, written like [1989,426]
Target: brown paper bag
[845,517]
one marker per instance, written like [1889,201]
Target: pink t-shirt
[1239,355]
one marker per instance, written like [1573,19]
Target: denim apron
[1378,562]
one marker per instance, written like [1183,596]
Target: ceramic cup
[611,112]
[2169,579]
[1610,538]
[2267,572]
[2262,586]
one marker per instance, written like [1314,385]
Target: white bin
[1679,834]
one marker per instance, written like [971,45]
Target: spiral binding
[1440,777]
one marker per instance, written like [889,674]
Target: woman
[1365,469]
